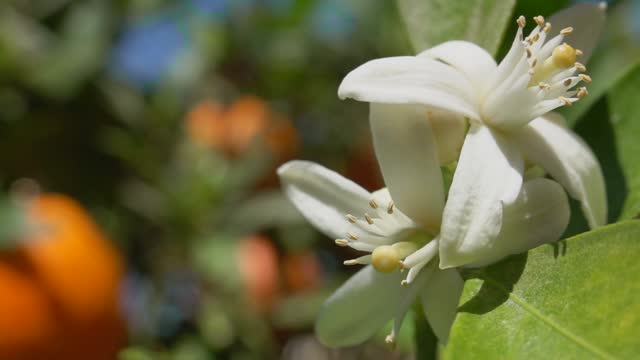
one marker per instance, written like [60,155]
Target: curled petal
[408,157]
[323,196]
[488,175]
[539,215]
[569,161]
[411,80]
[360,307]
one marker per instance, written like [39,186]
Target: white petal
[408,157]
[359,308]
[449,130]
[411,80]
[475,62]
[570,162]
[488,174]
[440,297]
[539,216]
[588,22]
[323,196]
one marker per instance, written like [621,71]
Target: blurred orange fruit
[257,260]
[64,288]
[302,271]
[248,120]
[205,124]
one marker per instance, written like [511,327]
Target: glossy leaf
[617,55]
[624,109]
[430,22]
[573,300]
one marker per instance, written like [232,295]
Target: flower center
[386,258]
[385,232]
[535,77]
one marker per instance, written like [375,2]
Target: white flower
[400,228]
[507,106]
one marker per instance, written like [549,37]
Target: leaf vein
[549,322]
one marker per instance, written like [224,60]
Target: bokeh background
[140,213]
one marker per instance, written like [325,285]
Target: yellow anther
[563,56]
[582,92]
[390,208]
[350,262]
[342,242]
[579,52]
[368,218]
[565,100]
[352,236]
[385,258]
[352,219]
[547,27]
[580,67]
[566,31]
[586,78]
[521,21]
[539,20]
[373,204]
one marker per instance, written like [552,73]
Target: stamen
[368,218]
[373,204]
[362,260]
[579,52]
[580,67]
[391,341]
[390,207]
[582,92]
[586,78]
[539,20]
[566,31]
[342,242]
[565,100]
[547,27]
[352,236]
[352,219]
[522,22]
[544,86]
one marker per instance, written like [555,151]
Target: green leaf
[624,108]
[617,55]
[430,22]
[573,300]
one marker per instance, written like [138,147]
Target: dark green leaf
[574,300]
[624,108]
